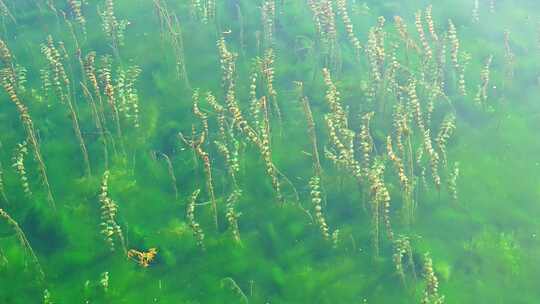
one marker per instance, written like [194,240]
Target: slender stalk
[6,81]
[23,240]
[170,169]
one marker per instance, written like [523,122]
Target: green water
[449,214]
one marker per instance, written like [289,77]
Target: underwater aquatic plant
[61,83]
[403,134]
[21,150]
[76,10]
[454,55]
[431,23]
[5,12]
[341,137]
[266,67]
[376,56]
[266,151]
[232,215]
[95,92]
[366,142]
[446,131]
[404,35]
[227,144]
[92,93]
[452,182]
[6,80]
[47,298]
[260,135]
[424,131]
[342,11]
[403,249]
[428,53]
[254,101]
[7,58]
[190,216]
[171,29]
[2,185]
[170,169]
[104,281]
[397,107]
[268,16]
[109,209]
[196,145]
[105,77]
[231,283]
[228,68]
[476,11]
[433,159]
[198,113]
[203,10]
[316,200]
[509,56]
[317,167]
[482,94]
[127,94]
[380,203]
[113,29]
[398,164]
[21,236]
[431,291]
[335,239]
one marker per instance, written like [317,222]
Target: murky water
[269,151]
